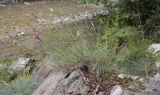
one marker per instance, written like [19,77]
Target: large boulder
[63,83]
[42,71]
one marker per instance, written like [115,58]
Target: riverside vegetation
[117,42]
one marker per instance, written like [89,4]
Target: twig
[96,90]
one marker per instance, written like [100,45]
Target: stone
[128,92]
[101,93]
[42,71]
[20,63]
[16,32]
[50,84]
[63,83]
[149,93]
[26,3]
[131,90]
[51,9]
[1,5]
[154,83]
[141,79]
[122,76]
[116,90]
[157,77]
[134,77]
[154,48]
[157,64]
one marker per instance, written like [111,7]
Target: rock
[16,69]
[141,79]
[157,77]
[20,63]
[154,83]
[44,69]
[78,33]
[116,90]
[51,9]
[134,77]
[152,87]
[50,84]
[128,92]
[149,93]
[157,64]
[16,32]
[101,93]
[131,90]
[62,83]
[26,3]
[154,48]
[1,5]
[122,76]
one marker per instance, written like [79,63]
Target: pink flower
[37,37]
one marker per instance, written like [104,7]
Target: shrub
[22,86]
[116,49]
[121,44]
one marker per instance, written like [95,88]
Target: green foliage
[67,48]
[116,49]
[4,74]
[129,26]
[22,86]
[121,44]
[142,14]
[127,49]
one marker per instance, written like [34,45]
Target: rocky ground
[82,82]
[19,23]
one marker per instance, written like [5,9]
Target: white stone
[26,3]
[154,48]
[51,9]
[157,64]
[141,79]
[22,33]
[157,77]
[134,77]
[78,33]
[20,63]
[122,76]
[1,5]
[116,90]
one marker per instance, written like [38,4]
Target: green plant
[24,85]
[127,49]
